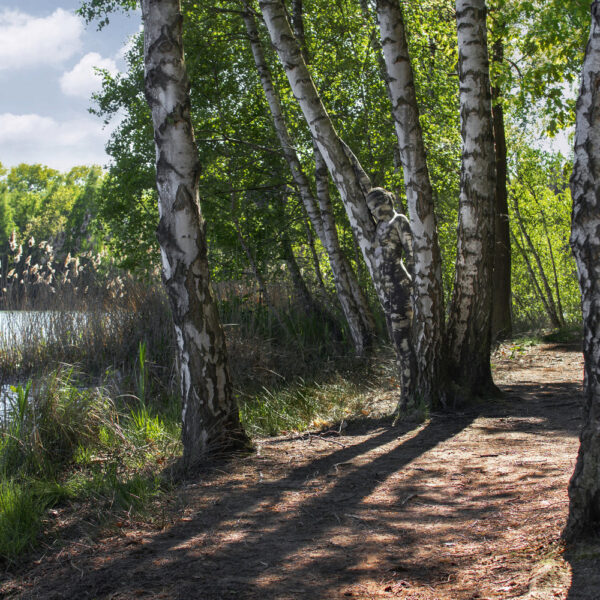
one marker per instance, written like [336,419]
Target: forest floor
[463,506]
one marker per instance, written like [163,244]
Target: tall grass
[64,442]
[101,432]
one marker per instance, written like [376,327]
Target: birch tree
[369,209]
[210,420]
[352,301]
[469,327]
[428,328]
[584,488]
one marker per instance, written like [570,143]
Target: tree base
[584,487]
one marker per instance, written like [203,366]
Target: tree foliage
[247,189]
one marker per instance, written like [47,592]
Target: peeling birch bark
[427,270]
[360,329]
[210,421]
[584,488]
[469,327]
[351,181]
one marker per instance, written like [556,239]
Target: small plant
[68,442]
[143,374]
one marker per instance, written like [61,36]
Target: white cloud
[59,144]
[27,41]
[82,80]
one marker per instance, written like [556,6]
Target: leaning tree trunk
[469,328]
[360,330]
[209,415]
[349,291]
[427,277]
[367,208]
[584,489]
[347,277]
[556,317]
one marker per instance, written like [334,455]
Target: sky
[47,60]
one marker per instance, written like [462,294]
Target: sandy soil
[464,506]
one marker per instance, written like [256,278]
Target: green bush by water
[64,442]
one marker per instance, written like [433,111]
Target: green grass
[94,440]
[65,443]
[20,518]
[300,405]
[566,335]
[68,444]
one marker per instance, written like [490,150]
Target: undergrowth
[63,443]
[95,440]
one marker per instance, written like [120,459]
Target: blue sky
[47,60]
[47,55]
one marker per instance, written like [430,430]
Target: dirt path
[463,507]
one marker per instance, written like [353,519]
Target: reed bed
[95,418]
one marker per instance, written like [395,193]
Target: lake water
[19,327]
[22,327]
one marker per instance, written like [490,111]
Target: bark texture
[584,488]
[469,328]
[352,183]
[428,299]
[359,322]
[209,414]
[501,283]
[352,298]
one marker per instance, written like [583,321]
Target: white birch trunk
[210,421]
[359,330]
[427,270]
[584,489]
[349,291]
[469,329]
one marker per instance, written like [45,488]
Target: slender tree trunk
[501,282]
[366,208]
[260,280]
[534,281]
[209,415]
[469,328]
[350,291]
[559,306]
[360,331]
[358,299]
[310,238]
[584,489]
[301,290]
[427,272]
[555,316]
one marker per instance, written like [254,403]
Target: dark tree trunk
[584,489]
[501,283]
[209,414]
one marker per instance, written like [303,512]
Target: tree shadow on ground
[317,517]
[243,520]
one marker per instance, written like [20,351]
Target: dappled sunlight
[461,504]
